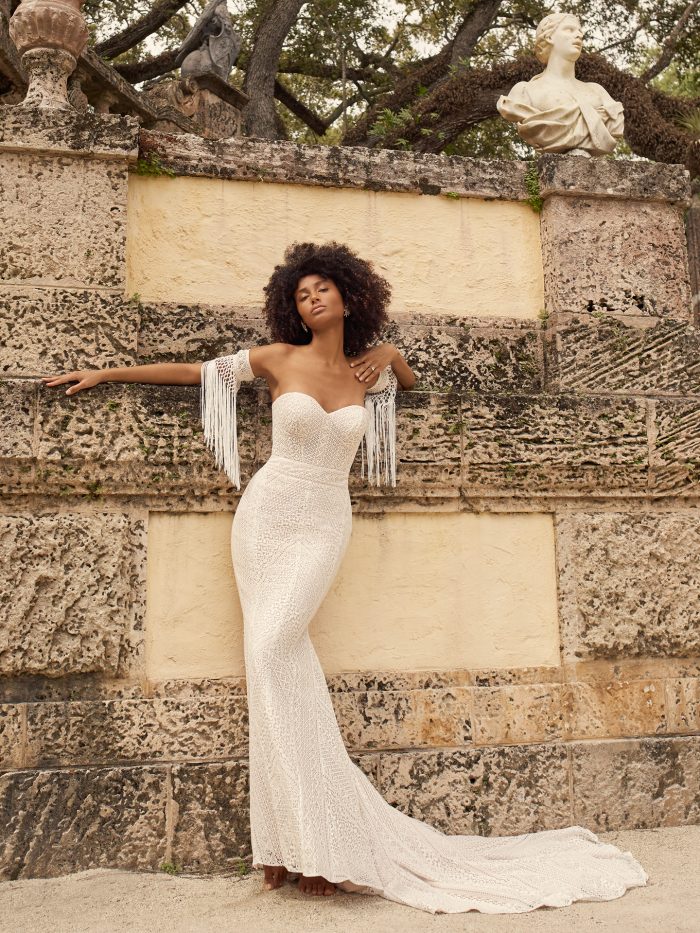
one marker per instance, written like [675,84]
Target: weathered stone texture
[90,192]
[470,358]
[404,719]
[171,332]
[615,709]
[17,416]
[135,439]
[637,784]
[73,592]
[596,253]
[135,730]
[336,166]
[69,132]
[445,354]
[211,820]
[675,457]
[612,178]
[11,736]
[683,704]
[428,440]
[554,444]
[519,714]
[46,331]
[628,584]
[494,791]
[61,821]
[604,354]
[94,685]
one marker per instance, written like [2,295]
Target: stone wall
[582,414]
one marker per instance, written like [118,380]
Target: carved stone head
[559,32]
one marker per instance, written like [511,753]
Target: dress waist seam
[303,469]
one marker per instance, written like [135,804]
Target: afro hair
[365,294]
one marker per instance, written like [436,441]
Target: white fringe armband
[379,440]
[220,380]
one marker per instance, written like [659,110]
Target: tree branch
[259,115]
[300,110]
[157,16]
[472,29]
[428,72]
[669,46]
[149,68]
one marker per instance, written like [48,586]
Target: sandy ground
[106,900]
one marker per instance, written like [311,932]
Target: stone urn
[49,35]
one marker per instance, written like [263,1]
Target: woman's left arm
[380,357]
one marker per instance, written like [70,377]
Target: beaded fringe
[218,413]
[379,441]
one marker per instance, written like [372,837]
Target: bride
[314,815]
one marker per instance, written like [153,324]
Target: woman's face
[318,301]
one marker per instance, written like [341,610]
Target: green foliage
[171,868]
[151,165]
[379,42]
[388,120]
[532,186]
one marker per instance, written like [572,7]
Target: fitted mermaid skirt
[312,809]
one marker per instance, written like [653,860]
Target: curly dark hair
[365,293]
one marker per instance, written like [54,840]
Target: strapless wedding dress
[312,809]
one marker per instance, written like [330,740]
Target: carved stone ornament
[50,36]
[212,45]
[554,111]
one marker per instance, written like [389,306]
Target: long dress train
[312,809]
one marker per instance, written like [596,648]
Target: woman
[313,812]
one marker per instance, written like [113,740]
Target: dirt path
[107,901]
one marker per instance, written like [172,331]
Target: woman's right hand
[86,379]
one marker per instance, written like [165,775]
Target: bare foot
[275,875]
[316,884]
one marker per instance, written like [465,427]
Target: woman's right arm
[263,360]
[172,374]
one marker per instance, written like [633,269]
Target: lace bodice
[301,428]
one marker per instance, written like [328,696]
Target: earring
[346,313]
[304,326]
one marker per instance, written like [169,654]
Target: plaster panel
[205,239]
[415,591]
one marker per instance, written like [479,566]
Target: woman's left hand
[369,365]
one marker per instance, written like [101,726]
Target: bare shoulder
[265,360]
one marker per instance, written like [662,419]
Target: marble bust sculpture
[554,111]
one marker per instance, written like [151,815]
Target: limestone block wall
[513,641]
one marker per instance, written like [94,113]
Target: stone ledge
[202,728]
[636,784]
[69,132]
[336,166]
[633,180]
[82,687]
[197,814]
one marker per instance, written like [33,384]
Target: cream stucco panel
[416,591]
[211,240]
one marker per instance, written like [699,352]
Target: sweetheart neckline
[306,395]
